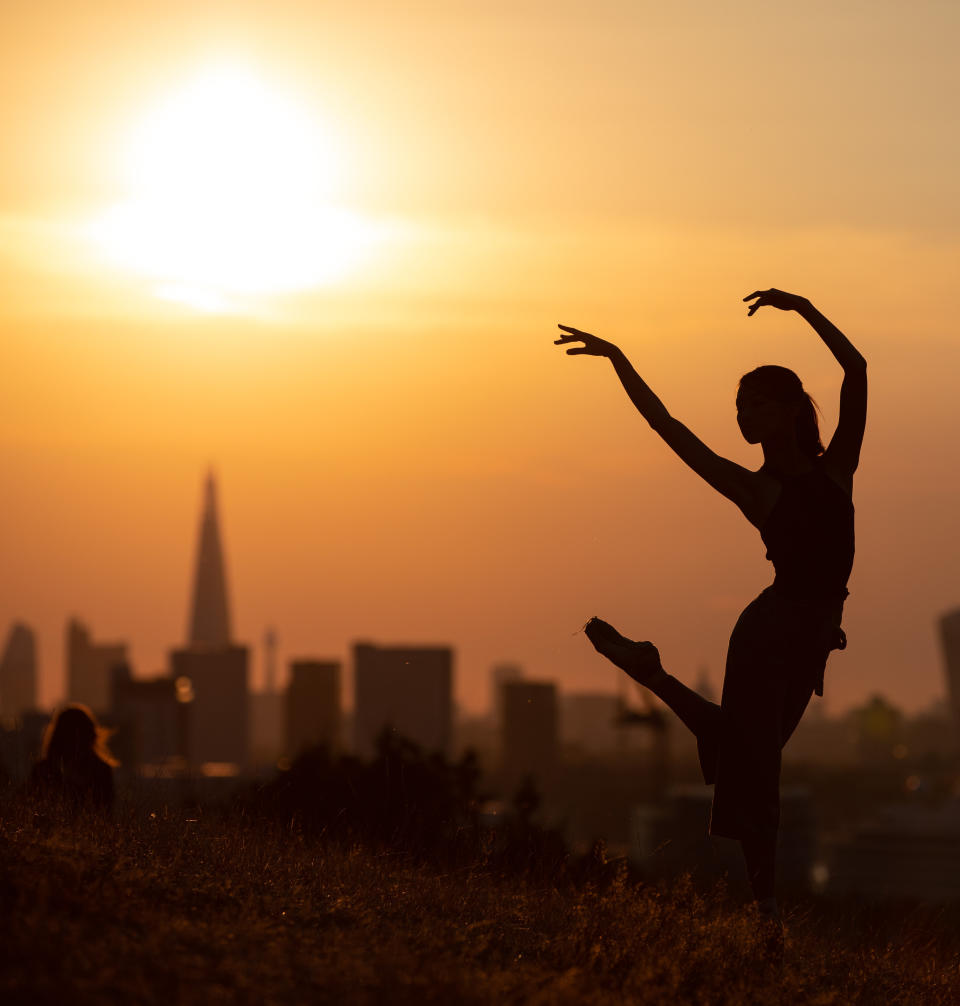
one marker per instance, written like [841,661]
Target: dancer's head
[73,733]
[770,401]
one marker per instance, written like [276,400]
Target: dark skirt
[775,661]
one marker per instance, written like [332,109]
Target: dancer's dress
[778,651]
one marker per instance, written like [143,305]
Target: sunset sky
[323,248]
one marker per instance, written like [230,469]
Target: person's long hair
[780,384]
[74,733]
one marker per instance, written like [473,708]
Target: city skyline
[209,623]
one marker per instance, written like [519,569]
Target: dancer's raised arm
[843,453]
[738,484]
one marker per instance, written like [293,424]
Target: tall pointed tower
[209,613]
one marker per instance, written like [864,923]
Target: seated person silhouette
[75,770]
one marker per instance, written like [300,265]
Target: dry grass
[167,910]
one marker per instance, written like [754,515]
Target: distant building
[266,719]
[216,678]
[500,674]
[209,611]
[152,721]
[18,675]
[949,625]
[589,722]
[931,734]
[529,729]
[267,709]
[312,706]
[210,668]
[406,689]
[90,667]
[905,852]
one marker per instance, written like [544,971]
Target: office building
[312,706]
[407,690]
[90,667]
[498,675]
[216,679]
[151,718]
[529,729]
[18,675]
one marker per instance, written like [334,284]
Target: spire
[210,613]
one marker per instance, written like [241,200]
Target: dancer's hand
[775,298]
[592,345]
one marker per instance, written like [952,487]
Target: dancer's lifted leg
[641,660]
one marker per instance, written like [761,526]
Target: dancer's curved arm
[740,485]
[843,452]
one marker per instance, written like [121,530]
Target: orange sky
[402,453]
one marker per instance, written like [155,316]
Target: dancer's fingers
[752,310]
[599,626]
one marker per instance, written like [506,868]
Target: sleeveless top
[809,538]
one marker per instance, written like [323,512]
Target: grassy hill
[181,908]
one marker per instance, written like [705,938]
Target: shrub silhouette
[406,801]
[403,799]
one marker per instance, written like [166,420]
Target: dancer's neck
[782,456]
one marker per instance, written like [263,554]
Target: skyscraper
[90,667]
[212,668]
[151,721]
[209,611]
[529,729]
[500,674]
[407,689]
[218,731]
[18,674]
[313,705]
[950,641]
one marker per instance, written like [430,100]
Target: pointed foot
[641,660]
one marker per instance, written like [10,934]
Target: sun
[229,186]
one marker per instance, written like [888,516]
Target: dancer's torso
[809,537]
